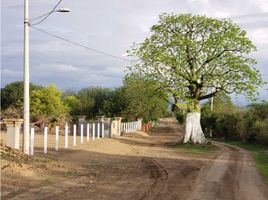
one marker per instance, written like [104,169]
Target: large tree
[195,57]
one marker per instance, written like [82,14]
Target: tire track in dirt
[159,188]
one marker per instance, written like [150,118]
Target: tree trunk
[193,128]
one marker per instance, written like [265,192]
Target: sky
[111,26]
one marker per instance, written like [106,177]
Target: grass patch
[260,153]
[47,179]
[197,148]
[70,173]
[45,160]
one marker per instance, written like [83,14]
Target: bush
[180,117]
[230,122]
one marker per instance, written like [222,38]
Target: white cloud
[57,68]
[111,26]
[259,36]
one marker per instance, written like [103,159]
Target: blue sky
[111,26]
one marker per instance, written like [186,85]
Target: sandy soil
[136,166]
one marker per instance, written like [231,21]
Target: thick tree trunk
[194,131]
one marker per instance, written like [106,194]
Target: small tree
[12,94]
[195,57]
[46,104]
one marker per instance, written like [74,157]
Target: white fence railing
[93,130]
[129,127]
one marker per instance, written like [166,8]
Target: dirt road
[135,167]
[231,175]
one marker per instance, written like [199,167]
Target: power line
[80,45]
[46,15]
[33,19]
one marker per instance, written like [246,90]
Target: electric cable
[46,15]
[80,45]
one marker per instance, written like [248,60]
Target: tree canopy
[195,57]
[47,102]
[12,94]
[143,98]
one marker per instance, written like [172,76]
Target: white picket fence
[92,130]
[129,127]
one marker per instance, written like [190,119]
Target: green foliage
[230,122]
[12,94]
[143,98]
[180,116]
[197,149]
[47,102]
[256,122]
[195,57]
[72,103]
[96,101]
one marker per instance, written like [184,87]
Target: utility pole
[26,103]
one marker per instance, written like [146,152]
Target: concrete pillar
[116,126]
[87,132]
[32,142]
[57,139]
[13,132]
[45,140]
[102,129]
[74,135]
[82,133]
[66,136]
[93,131]
[139,124]
[98,130]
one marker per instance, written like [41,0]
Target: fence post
[57,139]
[45,140]
[87,132]
[66,136]
[93,131]
[32,142]
[102,130]
[98,131]
[82,133]
[74,135]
